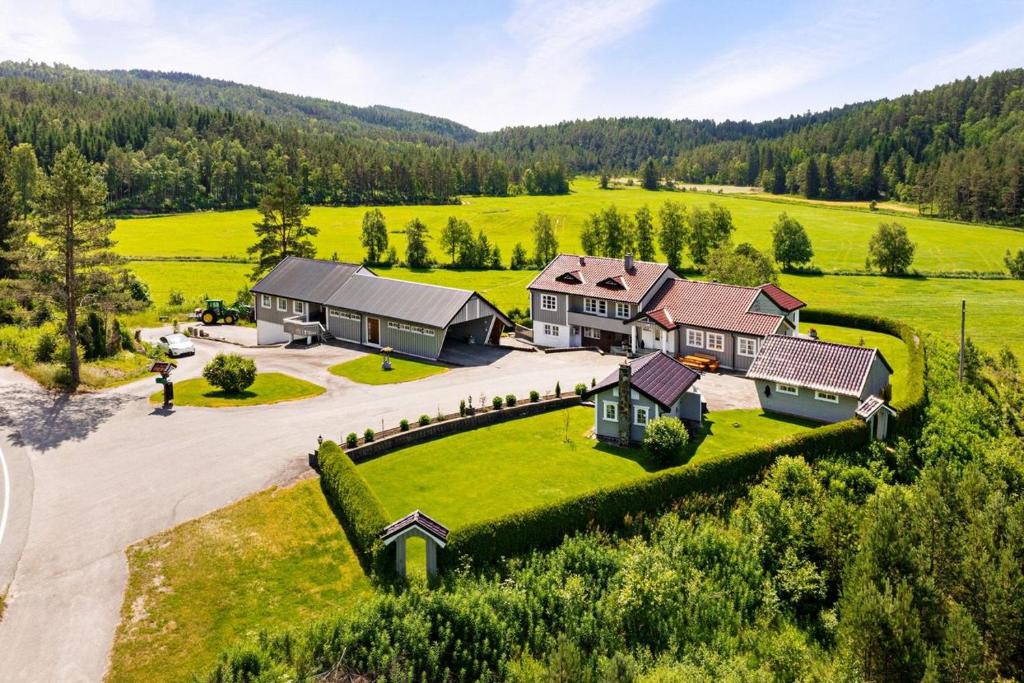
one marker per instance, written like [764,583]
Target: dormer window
[612,283]
[570,278]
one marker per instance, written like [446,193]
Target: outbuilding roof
[307,279]
[870,406]
[599,276]
[419,520]
[710,305]
[814,364]
[657,376]
[782,298]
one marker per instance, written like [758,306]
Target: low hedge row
[910,409]
[355,505]
[547,525]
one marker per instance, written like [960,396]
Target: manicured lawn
[367,370]
[515,465]
[893,348]
[729,431]
[274,561]
[269,387]
[839,234]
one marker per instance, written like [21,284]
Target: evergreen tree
[281,231]
[790,243]
[753,164]
[812,180]
[26,175]
[374,236]
[778,178]
[9,232]
[417,253]
[890,249]
[72,262]
[673,234]
[545,244]
[644,234]
[830,188]
[650,179]
[604,181]
[456,238]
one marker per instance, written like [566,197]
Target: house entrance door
[373,331]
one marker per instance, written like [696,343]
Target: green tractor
[216,312]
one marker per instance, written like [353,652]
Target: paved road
[96,473]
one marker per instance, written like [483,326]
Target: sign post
[164,369]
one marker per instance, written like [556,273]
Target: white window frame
[711,346]
[621,310]
[826,397]
[636,415]
[266,300]
[392,325]
[426,331]
[594,306]
[334,313]
[299,307]
[282,304]
[548,302]
[695,338]
[551,330]
[746,346]
[591,333]
[787,389]
[605,405]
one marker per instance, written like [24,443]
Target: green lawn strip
[367,370]
[492,471]
[729,431]
[840,235]
[269,387]
[274,561]
[893,348]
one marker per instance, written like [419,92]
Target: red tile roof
[712,305]
[592,270]
[657,376]
[814,364]
[782,298]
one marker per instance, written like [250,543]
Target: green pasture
[893,348]
[840,234]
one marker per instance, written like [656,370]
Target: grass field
[730,431]
[367,370]
[519,464]
[273,561]
[893,348]
[839,234]
[269,387]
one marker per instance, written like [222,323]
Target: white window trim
[605,405]
[551,330]
[695,338]
[266,300]
[598,307]
[742,344]
[282,304]
[714,347]
[298,307]
[548,302]
[334,312]
[636,416]
[787,389]
[621,310]
[392,325]
[826,397]
[591,333]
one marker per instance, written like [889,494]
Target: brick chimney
[627,263]
[625,404]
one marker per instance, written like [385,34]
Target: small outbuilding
[415,525]
[641,390]
[823,381]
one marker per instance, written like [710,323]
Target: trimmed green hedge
[910,410]
[355,505]
[547,525]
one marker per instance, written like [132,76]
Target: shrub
[424,420]
[230,372]
[176,298]
[534,396]
[404,425]
[510,400]
[352,440]
[46,347]
[496,402]
[664,439]
[440,416]
[593,382]
[368,435]
[581,388]
[558,390]
[354,504]
[462,408]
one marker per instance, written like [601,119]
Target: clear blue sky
[490,64]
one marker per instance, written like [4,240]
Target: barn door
[373,331]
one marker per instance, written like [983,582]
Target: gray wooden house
[641,390]
[823,381]
[313,298]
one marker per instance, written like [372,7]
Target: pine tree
[25,175]
[830,188]
[812,181]
[644,234]
[281,232]
[374,236]
[650,181]
[778,178]
[672,237]
[8,210]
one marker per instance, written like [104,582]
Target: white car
[176,345]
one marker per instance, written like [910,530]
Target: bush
[424,420]
[404,425]
[176,298]
[496,402]
[534,396]
[230,372]
[664,439]
[354,504]
[581,388]
[462,408]
[510,400]
[352,440]
[46,347]
[368,435]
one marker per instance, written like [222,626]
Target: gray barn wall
[348,330]
[275,316]
[878,378]
[805,405]
[552,317]
[725,357]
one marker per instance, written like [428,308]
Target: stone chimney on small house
[627,263]
[625,404]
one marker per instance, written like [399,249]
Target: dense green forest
[890,564]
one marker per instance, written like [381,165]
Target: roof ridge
[801,338]
[321,260]
[426,284]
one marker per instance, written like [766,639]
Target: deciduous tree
[545,244]
[644,234]
[890,249]
[790,243]
[672,237]
[457,238]
[374,236]
[417,252]
[743,265]
[709,229]
[26,176]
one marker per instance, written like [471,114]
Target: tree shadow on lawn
[637,455]
[43,419]
[713,427]
[243,395]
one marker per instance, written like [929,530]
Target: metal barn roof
[412,301]
[306,279]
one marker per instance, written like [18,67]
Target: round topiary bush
[496,402]
[581,388]
[404,425]
[368,436]
[664,439]
[510,400]
[230,372]
[352,440]
[424,420]
[534,396]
